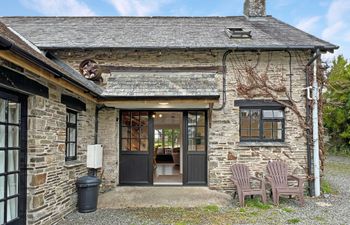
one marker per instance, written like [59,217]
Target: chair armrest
[262,182]
[299,179]
[234,180]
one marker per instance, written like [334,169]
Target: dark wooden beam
[73,103]
[18,81]
[112,68]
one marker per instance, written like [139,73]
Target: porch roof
[151,85]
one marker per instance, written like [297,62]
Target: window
[261,124]
[196,131]
[135,131]
[71,135]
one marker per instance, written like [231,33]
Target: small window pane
[255,133]
[2,110]
[267,125]
[201,119]
[200,132]
[135,144]
[12,208]
[267,113]
[278,114]
[2,187]
[144,132]
[191,132]
[126,119]
[135,119]
[2,161]
[144,145]
[126,131]
[13,136]
[279,134]
[267,134]
[255,119]
[71,134]
[192,119]
[72,148]
[14,112]
[12,160]
[2,211]
[277,125]
[200,142]
[245,133]
[125,144]
[143,118]
[135,132]
[72,118]
[191,145]
[12,184]
[2,136]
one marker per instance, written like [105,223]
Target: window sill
[73,163]
[262,144]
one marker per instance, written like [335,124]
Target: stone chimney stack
[255,8]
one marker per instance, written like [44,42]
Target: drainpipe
[224,85]
[315,95]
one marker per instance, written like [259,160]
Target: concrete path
[138,197]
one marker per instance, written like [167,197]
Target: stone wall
[51,192]
[224,145]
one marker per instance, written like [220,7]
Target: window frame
[75,126]
[261,124]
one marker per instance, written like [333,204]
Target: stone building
[173,101]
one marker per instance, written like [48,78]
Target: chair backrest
[241,173]
[278,170]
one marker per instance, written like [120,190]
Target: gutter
[314,187]
[9,46]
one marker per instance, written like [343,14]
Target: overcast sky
[326,19]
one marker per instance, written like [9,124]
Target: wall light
[163,103]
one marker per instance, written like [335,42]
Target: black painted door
[13,144]
[195,148]
[136,146]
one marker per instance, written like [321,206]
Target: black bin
[87,193]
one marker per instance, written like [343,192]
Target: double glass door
[12,177]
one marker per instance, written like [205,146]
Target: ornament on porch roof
[90,70]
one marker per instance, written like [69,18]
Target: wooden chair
[278,179]
[241,178]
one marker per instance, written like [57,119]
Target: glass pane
[278,134]
[2,135]
[277,125]
[191,145]
[12,185]
[2,161]
[278,114]
[143,118]
[2,110]
[267,114]
[135,119]
[255,119]
[71,134]
[158,137]
[14,112]
[267,125]
[144,132]
[201,119]
[245,119]
[267,134]
[126,118]
[12,157]
[2,212]
[191,132]
[144,145]
[71,151]
[125,144]
[72,118]
[245,133]
[255,133]
[192,119]
[135,144]
[200,142]
[13,136]
[2,187]
[200,132]
[135,132]
[12,207]
[126,132]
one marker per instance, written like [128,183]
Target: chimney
[254,8]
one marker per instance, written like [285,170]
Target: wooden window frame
[75,126]
[261,124]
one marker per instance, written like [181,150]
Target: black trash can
[87,193]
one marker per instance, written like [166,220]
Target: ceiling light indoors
[160,115]
[163,103]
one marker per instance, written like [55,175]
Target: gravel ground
[328,209]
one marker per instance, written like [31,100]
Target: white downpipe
[315,132]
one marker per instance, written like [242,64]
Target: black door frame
[151,143]
[22,185]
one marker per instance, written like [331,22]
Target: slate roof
[161,84]
[16,40]
[161,32]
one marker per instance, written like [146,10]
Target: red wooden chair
[278,179]
[241,178]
